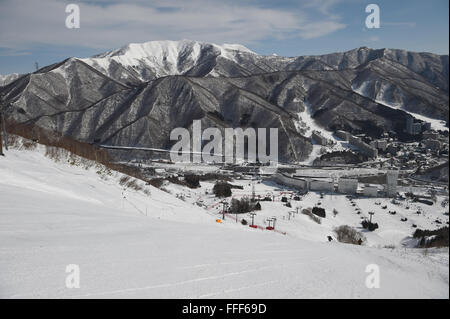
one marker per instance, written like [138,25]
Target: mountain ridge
[124,104]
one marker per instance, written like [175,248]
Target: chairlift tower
[335,180]
[224,205]
[253,185]
[371,214]
[253,218]
[274,219]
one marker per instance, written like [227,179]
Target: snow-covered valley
[147,243]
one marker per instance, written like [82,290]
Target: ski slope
[436,124]
[129,244]
[309,124]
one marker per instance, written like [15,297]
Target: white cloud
[328,24]
[399,24]
[111,24]
[373,39]
[319,29]
[12,52]
[325,7]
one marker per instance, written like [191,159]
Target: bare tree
[1,137]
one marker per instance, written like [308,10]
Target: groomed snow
[56,214]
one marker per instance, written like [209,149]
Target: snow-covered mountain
[154,59]
[136,95]
[8,78]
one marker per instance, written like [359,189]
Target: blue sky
[34,31]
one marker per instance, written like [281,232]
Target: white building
[370,191]
[321,185]
[379,144]
[268,170]
[347,186]
[391,183]
[291,181]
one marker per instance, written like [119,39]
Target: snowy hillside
[147,243]
[8,78]
[436,124]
